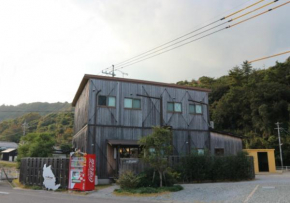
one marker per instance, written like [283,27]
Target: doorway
[263,162]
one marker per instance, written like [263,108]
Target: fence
[138,166]
[8,173]
[31,171]
[135,165]
[285,168]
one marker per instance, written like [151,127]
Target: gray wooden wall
[81,110]
[189,130]
[231,145]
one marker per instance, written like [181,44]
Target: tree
[36,145]
[156,149]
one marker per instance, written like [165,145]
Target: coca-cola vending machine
[82,171]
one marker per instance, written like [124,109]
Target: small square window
[219,151]
[136,104]
[200,151]
[191,108]
[177,107]
[102,100]
[198,109]
[128,103]
[111,101]
[170,107]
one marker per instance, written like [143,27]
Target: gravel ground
[265,189]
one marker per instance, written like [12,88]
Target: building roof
[226,133]
[123,142]
[8,150]
[7,145]
[87,77]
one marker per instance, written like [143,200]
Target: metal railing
[284,168]
[8,173]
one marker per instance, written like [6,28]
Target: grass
[100,187]
[148,190]
[8,164]
[16,183]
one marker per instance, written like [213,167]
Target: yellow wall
[271,158]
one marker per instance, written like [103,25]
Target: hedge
[202,168]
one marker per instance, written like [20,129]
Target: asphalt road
[9,195]
[271,188]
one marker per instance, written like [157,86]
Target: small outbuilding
[9,154]
[264,160]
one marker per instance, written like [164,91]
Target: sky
[46,47]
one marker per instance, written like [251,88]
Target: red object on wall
[82,170]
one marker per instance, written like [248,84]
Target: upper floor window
[107,101]
[195,108]
[174,107]
[130,103]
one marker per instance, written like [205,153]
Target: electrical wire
[158,50]
[259,59]
[32,111]
[192,31]
[205,35]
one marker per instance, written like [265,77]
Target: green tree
[156,149]
[36,145]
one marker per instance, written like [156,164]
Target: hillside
[249,102]
[10,112]
[59,124]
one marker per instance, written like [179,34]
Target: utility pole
[111,73]
[280,145]
[25,126]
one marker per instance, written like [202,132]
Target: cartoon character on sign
[49,178]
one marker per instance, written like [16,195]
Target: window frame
[132,103]
[107,101]
[219,149]
[194,106]
[174,107]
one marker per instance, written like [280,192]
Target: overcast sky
[47,46]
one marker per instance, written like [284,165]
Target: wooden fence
[135,165]
[31,171]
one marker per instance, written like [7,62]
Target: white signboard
[49,178]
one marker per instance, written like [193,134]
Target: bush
[128,180]
[150,190]
[197,168]
[146,178]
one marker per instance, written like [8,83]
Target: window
[198,109]
[219,151]
[107,101]
[195,108]
[200,151]
[174,107]
[132,103]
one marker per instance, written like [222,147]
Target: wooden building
[112,114]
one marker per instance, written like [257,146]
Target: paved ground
[265,189]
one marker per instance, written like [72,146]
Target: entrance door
[263,161]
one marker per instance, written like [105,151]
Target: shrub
[128,180]
[197,168]
[147,180]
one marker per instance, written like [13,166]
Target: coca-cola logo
[91,174]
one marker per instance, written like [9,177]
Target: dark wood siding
[231,145]
[190,131]
[81,110]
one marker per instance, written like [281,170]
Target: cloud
[47,46]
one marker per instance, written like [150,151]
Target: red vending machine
[82,171]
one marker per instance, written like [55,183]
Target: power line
[199,28]
[142,54]
[158,50]
[33,111]
[203,36]
[259,59]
